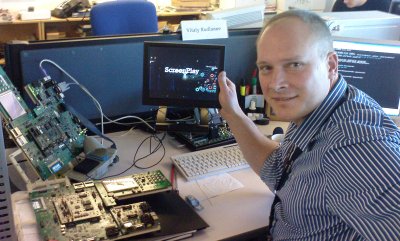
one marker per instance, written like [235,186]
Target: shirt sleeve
[363,186]
[270,171]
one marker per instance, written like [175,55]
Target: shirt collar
[302,135]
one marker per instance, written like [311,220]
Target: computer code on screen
[375,69]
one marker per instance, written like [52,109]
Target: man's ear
[333,65]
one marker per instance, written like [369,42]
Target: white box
[37,14]
[363,24]
[314,5]
[225,4]
[238,17]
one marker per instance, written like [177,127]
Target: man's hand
[228,98]
[254,145]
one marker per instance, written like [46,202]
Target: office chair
[123,17]
[395,7]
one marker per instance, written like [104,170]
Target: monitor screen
[373,66]
[182,75]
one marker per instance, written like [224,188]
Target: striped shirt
[345,183]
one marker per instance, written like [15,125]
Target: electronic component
[135,217]
[49,136]
[194,202]
[78,212]
[132,186]
[219,135]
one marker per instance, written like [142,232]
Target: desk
[231,214]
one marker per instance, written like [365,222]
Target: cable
[159,145]
[127,124]
[97,104]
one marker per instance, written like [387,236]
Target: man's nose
[278,81]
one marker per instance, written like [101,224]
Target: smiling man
[336,173]
[361,5]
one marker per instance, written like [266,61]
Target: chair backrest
[123,17]
[395,7]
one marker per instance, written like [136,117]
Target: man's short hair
[317,25]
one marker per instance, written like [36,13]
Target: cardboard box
[191,4]
[34,15]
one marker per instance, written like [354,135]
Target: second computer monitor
[182,75]
[372,66]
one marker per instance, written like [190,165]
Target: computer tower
[363,24]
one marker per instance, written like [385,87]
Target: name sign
[204,29]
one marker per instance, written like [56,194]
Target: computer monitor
[181,75]
[111,68]
[372,66]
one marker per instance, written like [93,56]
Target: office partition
[111,68]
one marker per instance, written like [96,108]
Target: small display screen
[11,104]
[182,75]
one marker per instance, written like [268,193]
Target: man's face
[354,3]
[294,77]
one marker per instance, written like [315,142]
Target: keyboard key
[204,163]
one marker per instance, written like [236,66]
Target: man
[361,5]
[336,173]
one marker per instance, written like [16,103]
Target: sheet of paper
[219,184]
[203,29]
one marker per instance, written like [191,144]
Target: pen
[254,82]
[243,87]
[172,176]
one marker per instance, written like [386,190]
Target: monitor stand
[199,125]
[208,130]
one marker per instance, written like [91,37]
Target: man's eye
[264,69]
[295,65]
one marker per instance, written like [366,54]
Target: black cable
[160,144]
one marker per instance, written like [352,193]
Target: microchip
[119,184]
[38,204]
[112,231]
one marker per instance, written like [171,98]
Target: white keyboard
[208,162]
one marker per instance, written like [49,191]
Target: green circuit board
[48,134]
[78,212]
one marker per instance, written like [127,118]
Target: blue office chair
[123,17]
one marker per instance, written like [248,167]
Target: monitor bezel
[388,111]
[173,102]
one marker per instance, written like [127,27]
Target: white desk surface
[230,214]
